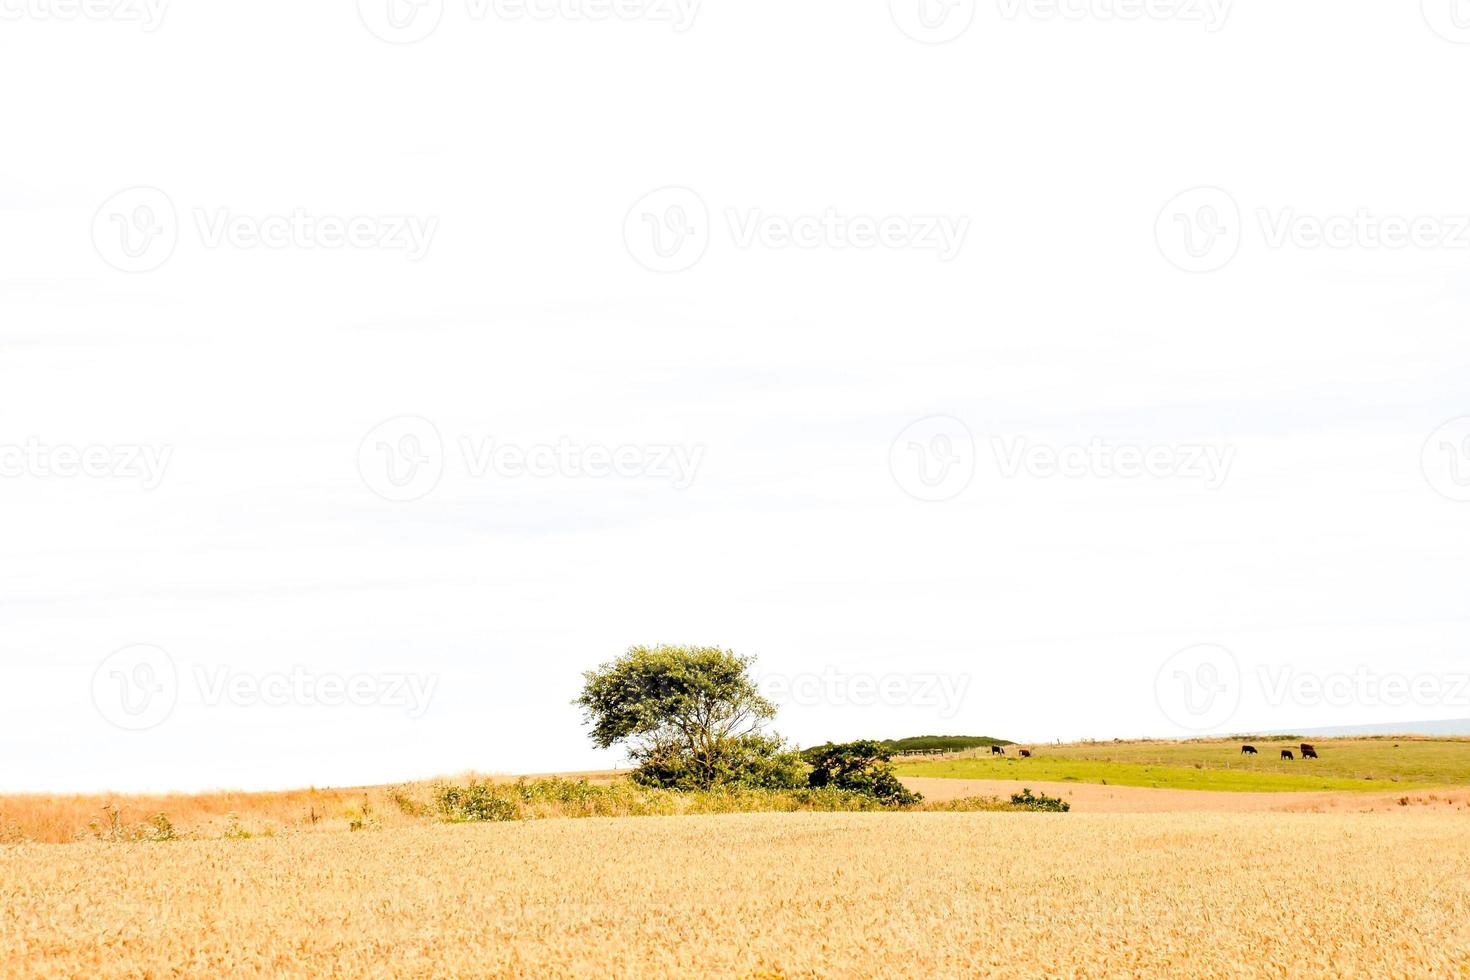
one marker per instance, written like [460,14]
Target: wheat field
[762,895]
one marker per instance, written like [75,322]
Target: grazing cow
[1305,747]
[1286,754]
[1025,753]
[1308,752]
[997,750]
[1247,750]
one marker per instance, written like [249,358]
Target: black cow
[1025,753]
[1306,747]
[997,750]
[1247,750]
[1308,752]
[1286,754]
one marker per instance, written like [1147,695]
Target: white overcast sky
[1026,605]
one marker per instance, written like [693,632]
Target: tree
[859,767]
[690,718]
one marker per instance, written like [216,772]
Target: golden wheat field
[767,894]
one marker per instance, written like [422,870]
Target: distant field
[1345,764]
[762,895]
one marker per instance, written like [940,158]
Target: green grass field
[1345,764]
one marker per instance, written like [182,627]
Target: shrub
[156,828]
[754,760]
[477,801]
[160,828]
[1043,803]
[860,767]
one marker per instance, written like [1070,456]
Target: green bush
[477,801]
[754,760]
[861,767]
[1043,803]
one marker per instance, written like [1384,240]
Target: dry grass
[841,894]
[125,819]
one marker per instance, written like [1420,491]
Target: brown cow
[1286,754]
[1247,750]
[1025,753]
[1308,752]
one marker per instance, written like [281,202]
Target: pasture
[762,895]
[1346,765]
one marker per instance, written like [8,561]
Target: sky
[368,373]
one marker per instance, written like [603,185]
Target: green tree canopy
[688,716]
